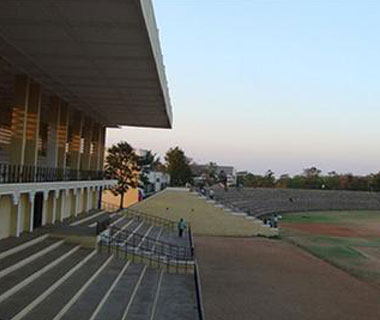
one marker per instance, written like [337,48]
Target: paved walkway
[205,218]
[256,278]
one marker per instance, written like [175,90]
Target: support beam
[87,135]
[19,119]
[102,148]
[33,124]
[54,115]
[77,128]
[31,215]
[62,135]
[96,143]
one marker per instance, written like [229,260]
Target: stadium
[70,71]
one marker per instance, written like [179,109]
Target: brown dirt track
[326,229]
[255,278]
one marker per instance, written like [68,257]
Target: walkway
[255,278]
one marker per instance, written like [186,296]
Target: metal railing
[197,280]
[148,218]
[152,258]
[146,243]
[11,173]
[151,219]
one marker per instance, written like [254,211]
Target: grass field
[347,239]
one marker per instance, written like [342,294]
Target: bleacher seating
[261,201]
[44,277]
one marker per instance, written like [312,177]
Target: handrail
[151,244]
[16,173]
[165,222]
[197,279]
[127,249]
[155,220]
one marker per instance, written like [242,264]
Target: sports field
[349,240]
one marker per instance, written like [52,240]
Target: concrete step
[29,295]
[143,301]
[93,220]
[86,305]
[118,300]
[177,298]
[173,238]
[27,253]
[61,297]
[13,243]
[11,280]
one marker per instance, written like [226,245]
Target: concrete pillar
[77,128]
[89,198]
[33,124]
[62,135]
[87,135]
[31,208]
[55,196]
[16,212]
[19,119]
[54,114]
[102,148]
[96,142]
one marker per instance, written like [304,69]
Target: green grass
[339,251]
[331,216]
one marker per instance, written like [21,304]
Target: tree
[178,167]
[211,173]
[122,164]
[147,163]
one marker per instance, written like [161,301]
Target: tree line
[312,178]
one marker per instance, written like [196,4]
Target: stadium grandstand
[258,202]
[69,70]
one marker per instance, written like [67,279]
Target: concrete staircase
[43,277]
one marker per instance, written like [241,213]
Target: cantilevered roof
[102,56]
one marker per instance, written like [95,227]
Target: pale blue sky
[271,84]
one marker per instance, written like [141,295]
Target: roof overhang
[103,56]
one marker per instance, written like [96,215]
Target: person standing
[181,227]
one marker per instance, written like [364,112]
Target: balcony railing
[10,173]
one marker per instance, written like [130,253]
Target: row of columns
[25,131]
[57,206]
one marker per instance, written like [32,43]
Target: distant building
[200,170]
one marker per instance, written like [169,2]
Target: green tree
[148,162]
[178,167]
[211,173]
[122,164]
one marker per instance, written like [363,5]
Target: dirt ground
[256,278]
[325,229]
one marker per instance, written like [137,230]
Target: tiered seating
[261,201]
[42,277]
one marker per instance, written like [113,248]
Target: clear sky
[283,85]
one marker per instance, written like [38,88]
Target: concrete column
[87,134]
[102,148]
[54,206]
[96,141]
[31,214]
[54,114]
[62,135]
[33,124]
[19,119]
[77,128]
[89,198]
[16,212]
